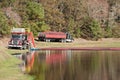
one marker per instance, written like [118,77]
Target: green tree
[71,25]
[35,11]
[107,32]
[6,3]
[33,16]
[95,30]
[116,32]
[91,29]
[77,32]
[4,27]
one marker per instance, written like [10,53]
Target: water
[73,65]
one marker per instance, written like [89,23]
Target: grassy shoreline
[9,69]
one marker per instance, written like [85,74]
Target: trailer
[55,36]
[21,38]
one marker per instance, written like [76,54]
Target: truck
[21,38]
[55,36]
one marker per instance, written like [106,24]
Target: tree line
[89,19]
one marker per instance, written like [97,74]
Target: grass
[9,69]
[12,51]
[79,44]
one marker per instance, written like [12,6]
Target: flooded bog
[73,65]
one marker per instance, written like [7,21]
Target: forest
[88,19]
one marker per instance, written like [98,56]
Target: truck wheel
[21,48]
[29,46]
[39,39]
[47,40]
[25,46]
[63,40]
[9,47]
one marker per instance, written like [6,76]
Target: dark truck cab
[69,38]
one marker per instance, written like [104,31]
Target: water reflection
[73,65]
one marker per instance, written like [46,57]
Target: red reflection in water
[29,60]
[49,58]
[54,58]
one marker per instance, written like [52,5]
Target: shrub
[116,32]
[4,27]
[91,29]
